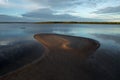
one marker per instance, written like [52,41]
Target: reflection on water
[17,54]
[103,65]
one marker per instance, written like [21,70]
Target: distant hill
[72,22]
[14,19]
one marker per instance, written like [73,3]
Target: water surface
[104,64]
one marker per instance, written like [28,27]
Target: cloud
[6,18]
[65,8]
[57,10]
[66,3]
[3,3]
[16,4]
[51,15]
[47,14]
[108,10]
[54,3]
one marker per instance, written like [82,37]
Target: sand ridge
[62,61]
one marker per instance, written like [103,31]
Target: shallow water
[104,64]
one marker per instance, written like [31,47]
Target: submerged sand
[62,59]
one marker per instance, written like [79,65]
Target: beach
[62,59]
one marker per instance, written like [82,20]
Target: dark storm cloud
[109,10]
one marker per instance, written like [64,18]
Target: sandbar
[62,59]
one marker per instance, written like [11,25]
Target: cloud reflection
[115,38]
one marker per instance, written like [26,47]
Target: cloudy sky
[59,10]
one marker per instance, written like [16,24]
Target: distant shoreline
[78,22]
[60,22]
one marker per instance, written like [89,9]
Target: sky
[59,10]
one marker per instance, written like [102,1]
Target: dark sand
[62,59]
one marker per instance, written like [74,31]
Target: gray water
[104,64]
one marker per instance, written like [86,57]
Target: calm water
[104,64]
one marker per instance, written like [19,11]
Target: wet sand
[62,59]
